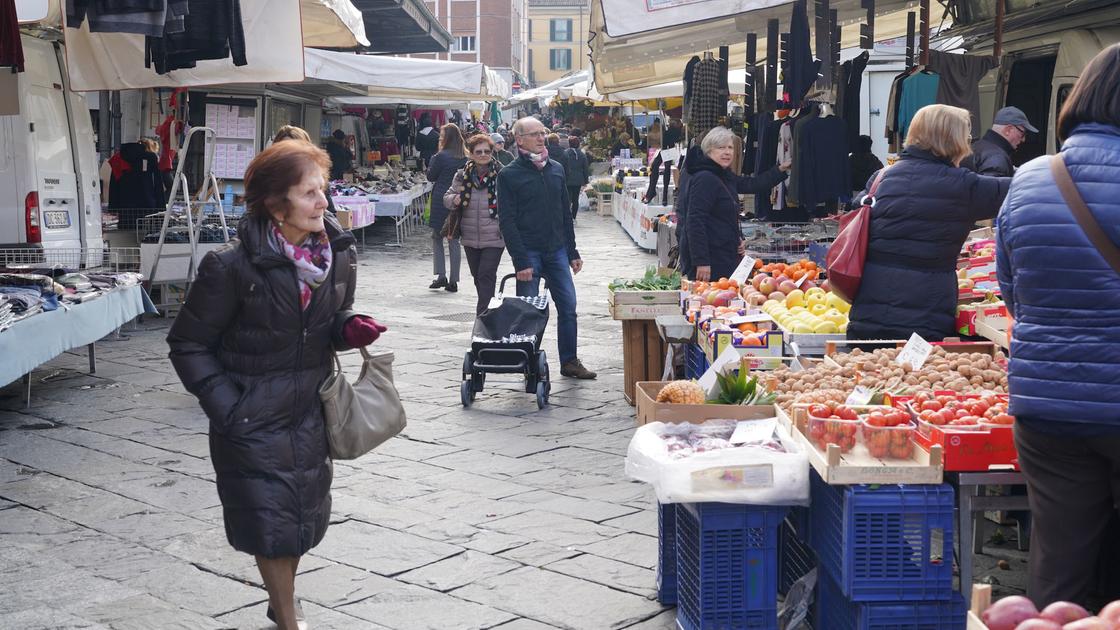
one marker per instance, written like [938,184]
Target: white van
[50,197]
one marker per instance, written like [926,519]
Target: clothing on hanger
[848,100]
[689,74]
[709,98]
[801,70]
[822,161]
[11,48]
[918,90]
[960,81]
[213,30]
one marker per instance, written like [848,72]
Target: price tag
[708,381]
[754,431]
[915,352]
[859,397]
[743,271]
[801,281]
[796,366]
[670,155]
[748,319]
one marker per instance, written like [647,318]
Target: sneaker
[438,283]
[301,619]
[452,287]
[575,369]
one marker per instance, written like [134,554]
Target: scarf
[312,260]
[470,181]
[539,159]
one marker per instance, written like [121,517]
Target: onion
[1088,623]
[1009,612]
[1038,624]
[1111,613]
[1064,612]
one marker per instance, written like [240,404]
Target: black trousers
[1073,485]
[484,268]
[573,197]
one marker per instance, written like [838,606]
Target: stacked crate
[885,555]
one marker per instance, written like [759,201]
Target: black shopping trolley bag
[515,320]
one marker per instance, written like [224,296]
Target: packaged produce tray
[763,357]
[965,449]
[649,410]
[857,465]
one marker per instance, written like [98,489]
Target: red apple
[757,280]
[767,286]
[787,286]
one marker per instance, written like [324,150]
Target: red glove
[360,331]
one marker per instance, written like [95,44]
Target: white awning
[635,45]
[332,24]
[392,75]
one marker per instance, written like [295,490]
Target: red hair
[278,168]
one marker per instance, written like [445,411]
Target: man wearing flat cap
[991,155]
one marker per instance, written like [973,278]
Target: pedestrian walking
[538,230]
[1063,394]
[579,172]
[924,208]
[473,218]
[452,156]
[254,341]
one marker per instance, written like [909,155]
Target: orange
[723,284]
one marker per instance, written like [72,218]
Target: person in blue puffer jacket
[1064,374]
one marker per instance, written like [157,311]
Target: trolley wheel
[542,395]
[466,393]
[479,380]
[542,366]
[468,364]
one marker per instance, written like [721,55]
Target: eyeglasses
[483,152]
[534,134]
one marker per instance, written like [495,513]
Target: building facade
[557,32]
[487,31]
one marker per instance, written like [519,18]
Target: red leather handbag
[848,252]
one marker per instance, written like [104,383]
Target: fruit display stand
[638,304]
[858,466]
[643,355]
[639,219]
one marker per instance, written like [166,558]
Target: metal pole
[771,63]
[1001,8]
[116,108]
[824,41]
[910,19]
[924,56]
[104,126]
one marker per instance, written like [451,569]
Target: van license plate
[57,218]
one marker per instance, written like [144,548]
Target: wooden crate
[649,410]
[858,466]
[950,345]
[643,354]
[643,304]
[981,600]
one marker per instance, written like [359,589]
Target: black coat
[255,360]
[535,212]
[991,155]
[712,232]
[140,190]
[427,144]
[441,172]
[341,158]
[923,211]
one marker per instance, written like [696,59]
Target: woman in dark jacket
[473,202]
[427,139]
[451,157]
[715,240]
[1065,348]
[254,342]
[924,208]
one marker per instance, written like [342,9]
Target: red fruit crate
[971,451]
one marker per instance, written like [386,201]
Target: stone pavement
[500,516]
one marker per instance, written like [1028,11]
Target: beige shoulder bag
[362,415]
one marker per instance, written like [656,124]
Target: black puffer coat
[923,211]
[255,360]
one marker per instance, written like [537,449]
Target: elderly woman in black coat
[253,342]
[715,241]
[924,208]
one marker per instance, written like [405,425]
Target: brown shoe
[575,369]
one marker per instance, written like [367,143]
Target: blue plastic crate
[727,566]
[667,553]
[884,543]
[696,362]
[844,614]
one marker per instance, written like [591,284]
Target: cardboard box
[345,218]
[767,357]
[651,411]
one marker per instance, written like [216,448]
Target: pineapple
[683,393]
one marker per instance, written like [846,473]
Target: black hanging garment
[708,98]
[801,70]
[851,83]
[822,156]
[212,30]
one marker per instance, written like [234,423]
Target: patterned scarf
[470,182]
[539,159]
[312,260]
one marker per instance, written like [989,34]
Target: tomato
[978,408]
[877,419]
[947,416]
[846,413]
[930,405]
[1003,418]
[819,411]
[960,413]
[899,417]
[931,417]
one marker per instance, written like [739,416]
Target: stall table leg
[970,501]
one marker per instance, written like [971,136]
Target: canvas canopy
[635,45]
[389,80]
[274,40]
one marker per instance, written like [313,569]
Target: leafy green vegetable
[651,281]
[738,389]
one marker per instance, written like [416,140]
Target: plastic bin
[696,362]
[884,543]
[844,614]
[795,558]
[727,566]
[667,553]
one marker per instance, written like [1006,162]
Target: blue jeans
[556,271]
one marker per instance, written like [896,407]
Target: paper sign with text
[709,382]
[743,271]
[915,352]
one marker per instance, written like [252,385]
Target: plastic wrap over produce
[754,462]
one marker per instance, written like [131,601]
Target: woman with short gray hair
[712,234]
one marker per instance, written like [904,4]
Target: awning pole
[924,57]
[1001,8]
[821,10]
[867,30]
[771,64]
[910,19]
[749,105]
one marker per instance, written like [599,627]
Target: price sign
[860,396]
[801,281]
[743,271]
[915,352]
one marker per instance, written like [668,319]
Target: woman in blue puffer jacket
[1064,374]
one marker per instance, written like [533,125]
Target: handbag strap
[869,198]
[1084,216]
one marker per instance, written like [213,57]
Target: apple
[808,284]
[787,287]
[777,295]
[757,280]
[756,299]
[782,278]
[767,286]
[711,297]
